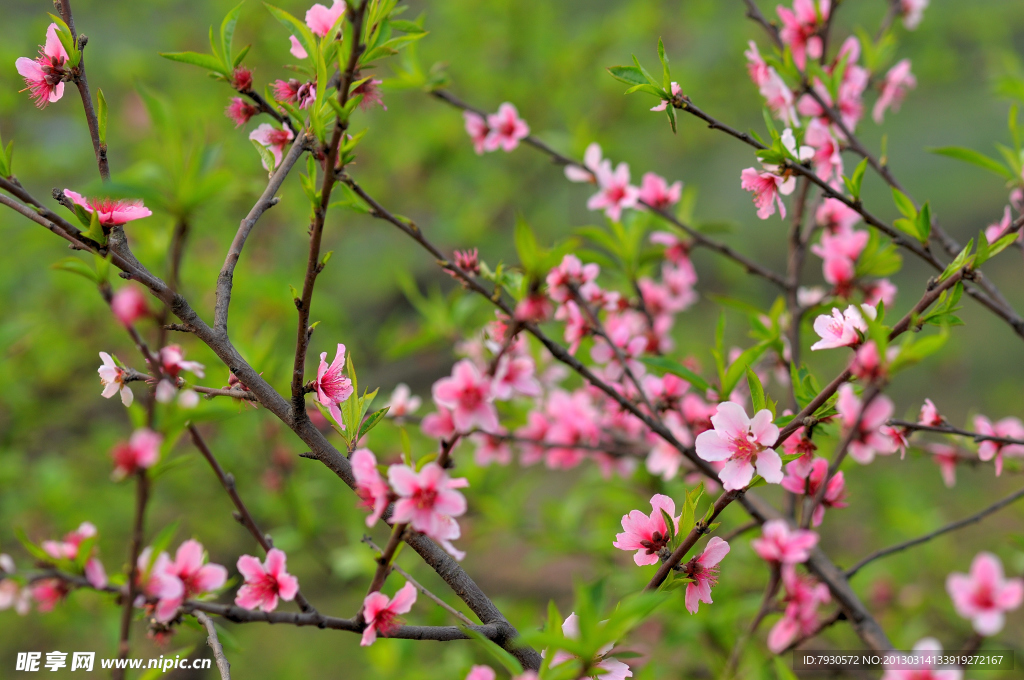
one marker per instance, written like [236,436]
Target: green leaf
[963,259]
[101,115]
[853,184]
[647,76]
[265,155]
[740,366]
[526,245]
[924,223]
[879,258]
[76,266]
[227,34]
[782,671]
[904,204]
[756,390]
[631,75]
[372,420]
[665,74]
[991,250]
[206,61]
[675,368]
[975,158]
[67,40]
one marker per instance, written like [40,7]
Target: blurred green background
[529,532]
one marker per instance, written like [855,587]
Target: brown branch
[211,639]
[138,528]
[767,603]
[953,526]
[950,430]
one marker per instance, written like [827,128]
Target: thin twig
[950,430]
[211,639]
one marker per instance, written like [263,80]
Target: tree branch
[211,639]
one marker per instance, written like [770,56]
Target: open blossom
[756,66]
[129,305]
[767,187]
[274,139]
[1010,428]
[534,308]
[426,497]
[469,396]
[332,385]
[571,273]
[381,613]
[47,593]
[779,98]
[930,415]
[492,448]
[826,158]
[842,328]
[924,653]
[872,436]
[320,19]
[850,103]
[506,128]
[780,545]
[439,425]
[403,402]
[591,162]
[113,377]
[836,216]
[882,290]
[985,595]
[69,548]
[141,451]
[44,75]
[912,11]
[196,577]
[647,535]
[155,580]
[803,595]
[240,111]
[704,572]
[743,443]
[612,668]
[808,484]
[898,80]
[265,582]
[615,192]
[515,376]
[800,26]
[110,212]
[172,360]
[372,489]
[665,103]
[477,129]
[656,192]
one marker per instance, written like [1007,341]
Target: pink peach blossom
[155,580]
[756,66]
[172,361]
[882,290]
[240,111]
[110,212]
[469,396]
[912,11]
[994,232]
[274,139]
[372,489]
[803,595]
[332,385]
[780,545]
[266,582]
[767,188]
[44,76]
[841,329]
[372,95]
[534,308]
[320,19]
[807,483]
[800,26]
[381,613]
[492,448]
[113,378]
[647,535]
[506,129]
[836,216]
[47,593]
[611,668]
[744,443]
[898,81]
[985,595]
[129,305]
[827,159]
[930,415]
[140,452]
[570,273]
[946,457]
[426,497]
[403,402]
[1010,428]
[439,425]
[515,376]
[704,572]
[297,50]
[656,192]
[476,127]
[196,577]
[665,103]
[616,193]
[872,436]
[591,162]
[779,98]
[925,649]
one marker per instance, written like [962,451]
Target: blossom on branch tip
[110,212]
[743,443]
[426,497]
[265,582]
[985,595]
[767,187]
[140,452]
[240,111]
[44,76]
[332,385]
[381,613]
[274,139]
[113,377]
[615,192]
[930,415]
[506,128]
[1010,428]
[320,19]
[897,82]
[647,535]
[665,103]
[704,572]
[469,396]
[780,545]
